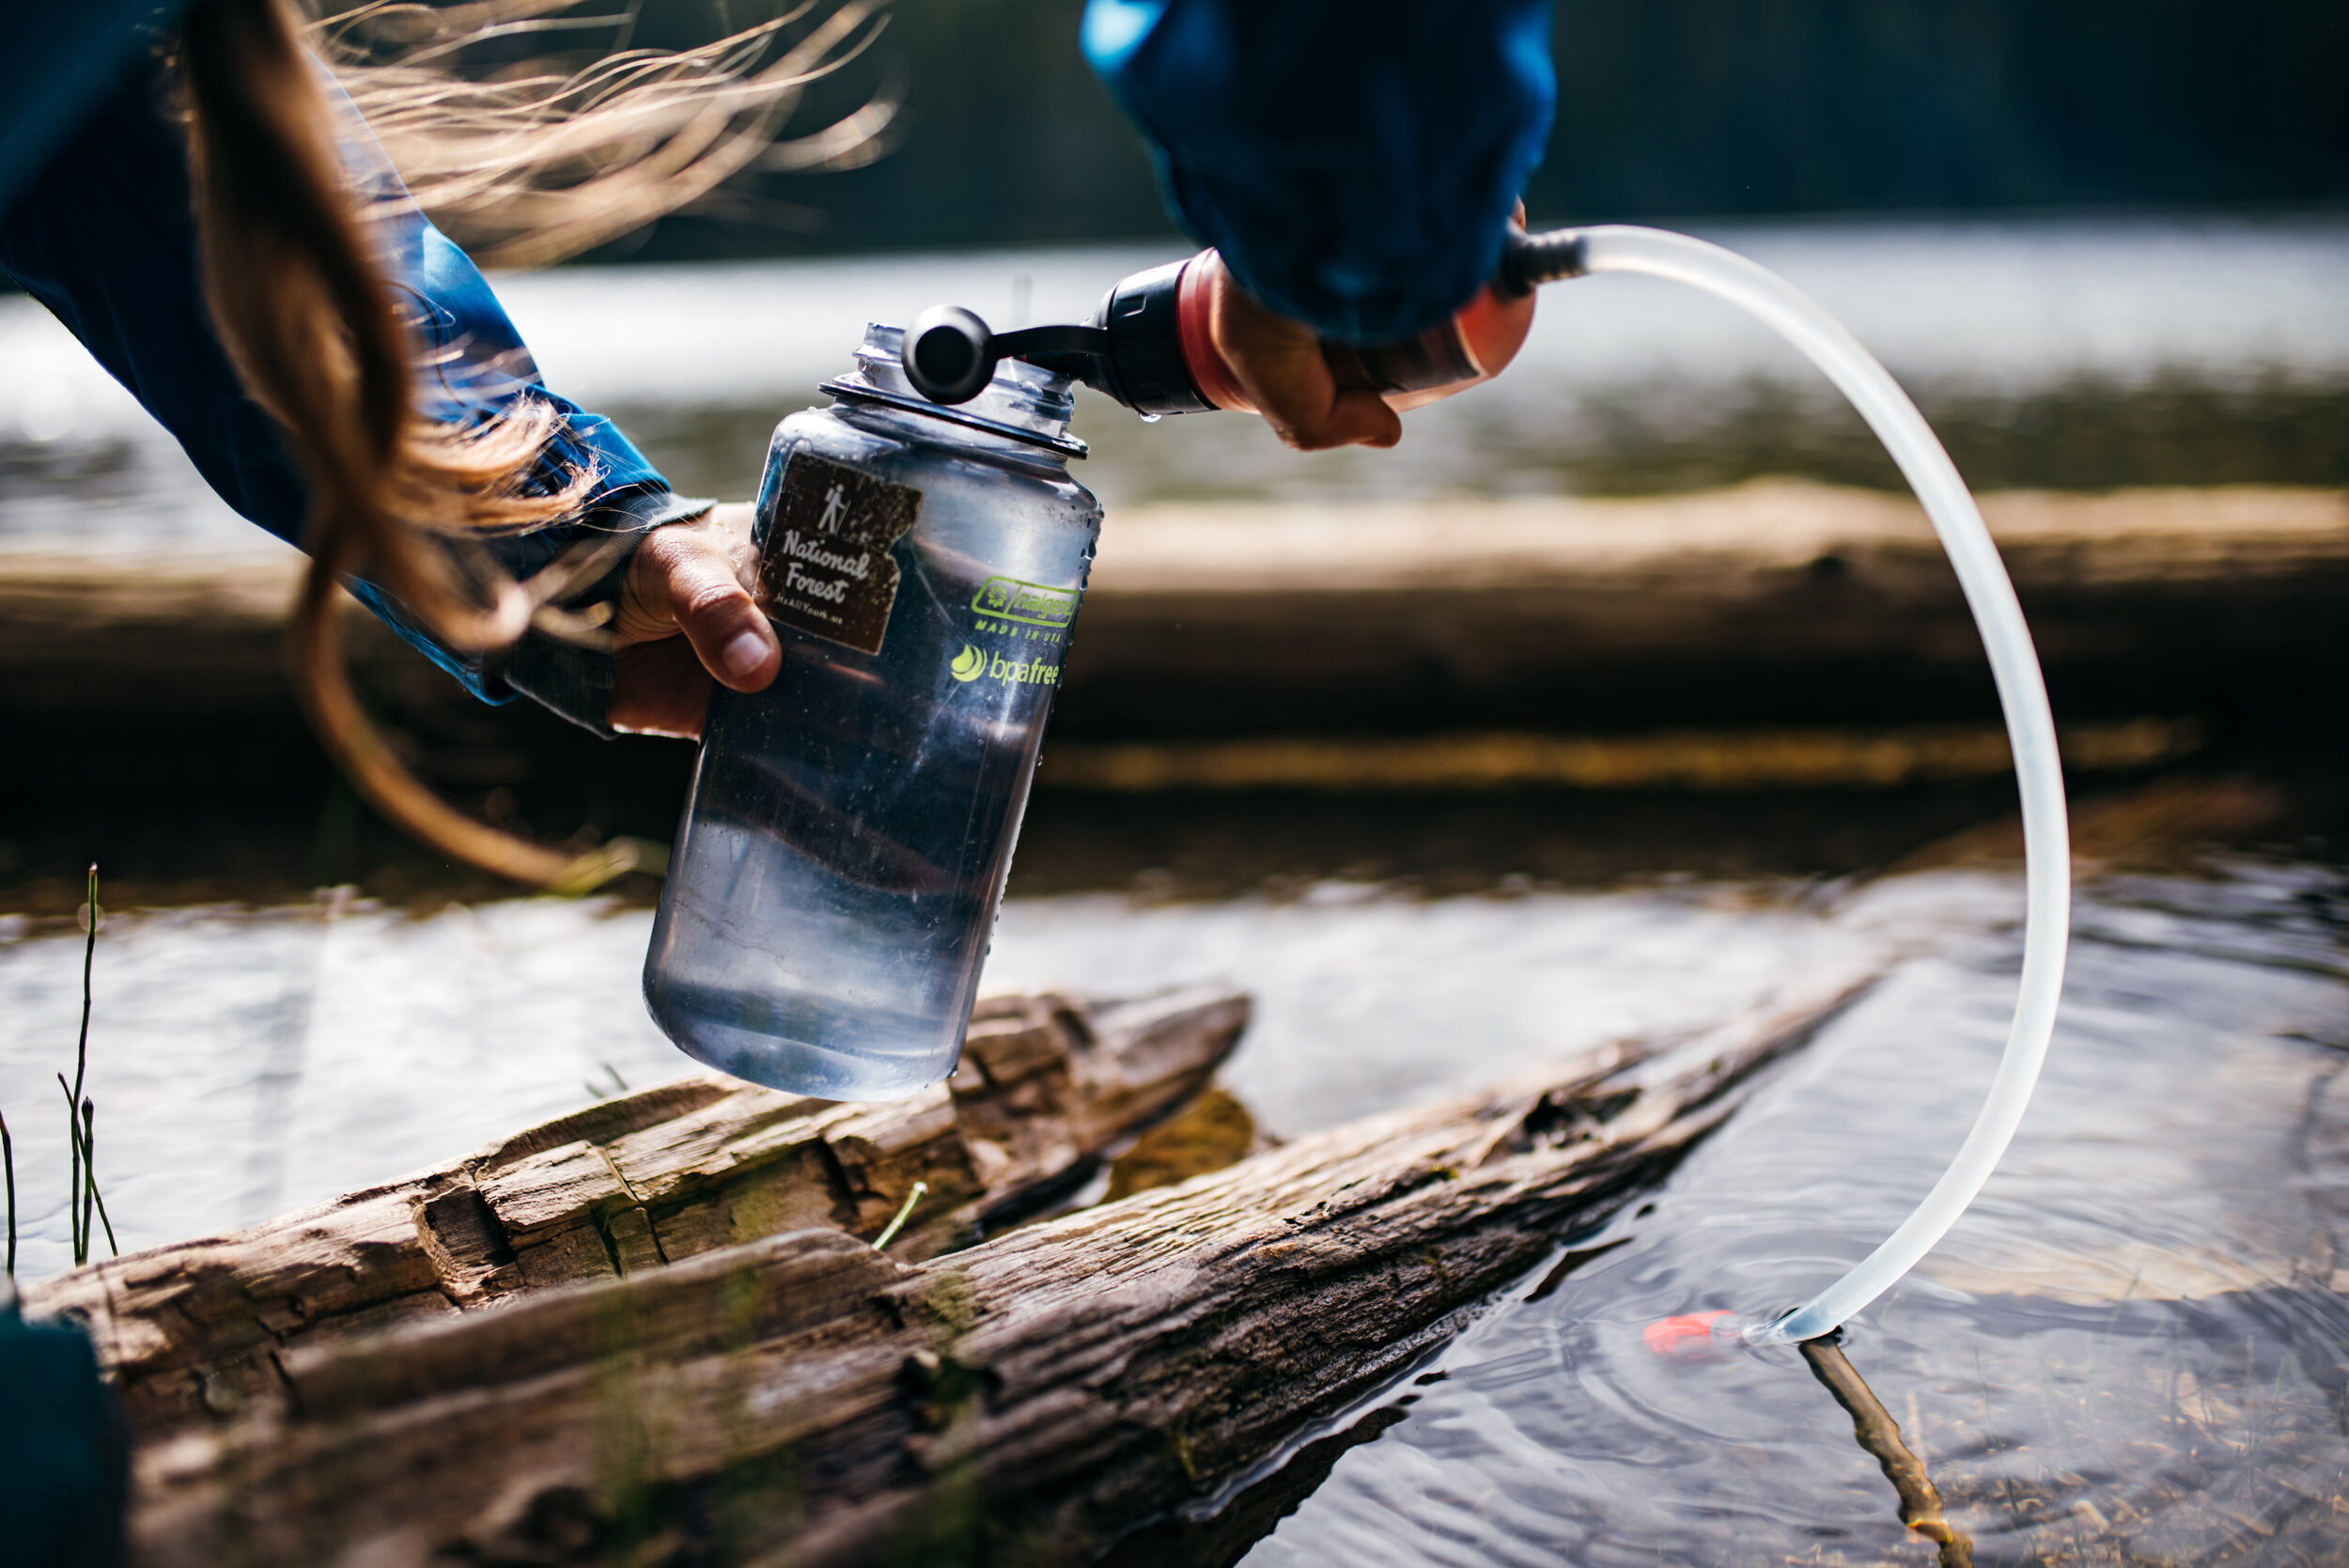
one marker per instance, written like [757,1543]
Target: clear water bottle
[844,847]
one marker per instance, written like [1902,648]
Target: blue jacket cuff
[569,678]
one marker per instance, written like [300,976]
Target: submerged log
[1036,1398]
[191,1332]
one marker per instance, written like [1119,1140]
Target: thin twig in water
[904,1213]
[1880,1435]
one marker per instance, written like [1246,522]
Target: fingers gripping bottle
[845,844]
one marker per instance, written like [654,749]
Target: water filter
[923,554]
[1152,347]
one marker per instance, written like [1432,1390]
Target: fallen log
[1778,604]
[191,1332]
[1036,1398]
[1775,635]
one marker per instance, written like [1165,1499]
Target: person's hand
[686,617]
[1278,366]
[1282,376]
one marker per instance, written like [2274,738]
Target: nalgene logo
[1007,599]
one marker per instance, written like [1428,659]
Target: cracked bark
[191,1331]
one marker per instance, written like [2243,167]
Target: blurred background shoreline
[1695,112]
[2154,379]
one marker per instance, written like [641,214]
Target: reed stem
[76,1205]
[1880,1435]
[74,1201]
[85,1131]
[90,1165]
[8,1161]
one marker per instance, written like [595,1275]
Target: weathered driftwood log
[1760,637]
[1036,1398]
[191,1331]
[1775,603]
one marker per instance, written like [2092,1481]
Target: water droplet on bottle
[1152,418]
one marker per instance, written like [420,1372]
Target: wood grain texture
[193,1332]
[1036,1398]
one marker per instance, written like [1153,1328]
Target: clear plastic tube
[2022,694]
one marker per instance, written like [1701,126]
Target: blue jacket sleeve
[105,238]
[1355,160]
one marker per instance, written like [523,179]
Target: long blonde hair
[540,161]
[531,166]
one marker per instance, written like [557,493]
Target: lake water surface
[2135,1348]
[247,1062]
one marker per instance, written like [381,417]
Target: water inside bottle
[833,886]
[832,900]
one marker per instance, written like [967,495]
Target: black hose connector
[1530,260]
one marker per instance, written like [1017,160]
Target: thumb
[730,635]
[687,578]
[1356,419]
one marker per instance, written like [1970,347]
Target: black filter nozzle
[1145,370]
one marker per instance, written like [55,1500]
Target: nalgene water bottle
[844,847]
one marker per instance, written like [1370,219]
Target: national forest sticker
[826,568]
